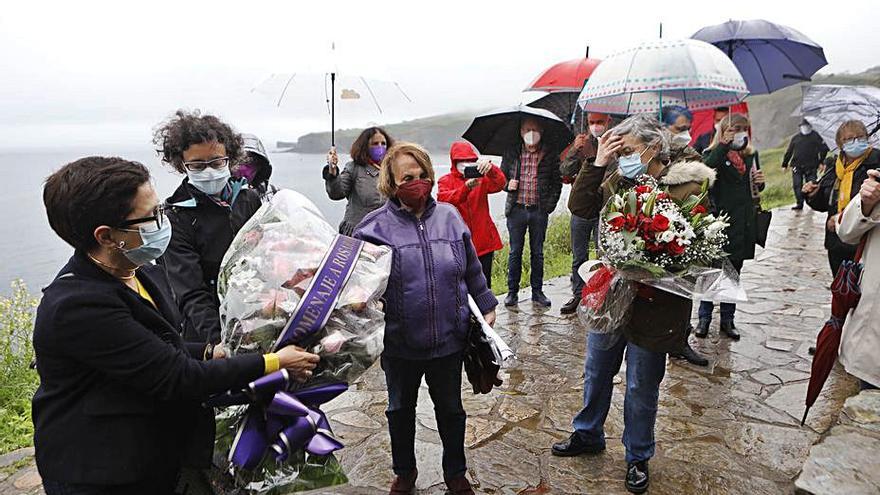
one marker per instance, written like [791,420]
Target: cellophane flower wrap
[647,237]
[264,275]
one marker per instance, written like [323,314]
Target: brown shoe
[404,484]
[459,486]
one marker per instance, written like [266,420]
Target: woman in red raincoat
[471,198]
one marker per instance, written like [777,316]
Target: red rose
[699,209]
[653,247]
[660,223]
[675,249]
[617,223]
[643,189]
[662,195]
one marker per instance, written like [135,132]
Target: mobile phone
[472,172]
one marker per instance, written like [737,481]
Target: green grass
[19,380]
[778,191]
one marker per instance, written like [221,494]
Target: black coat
[825,199]
[805,153]
[119,396]
[549,179]
[202,231]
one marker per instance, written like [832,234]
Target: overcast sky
[104,73]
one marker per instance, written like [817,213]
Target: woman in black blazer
[118,409]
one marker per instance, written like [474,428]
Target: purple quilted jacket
[434,268]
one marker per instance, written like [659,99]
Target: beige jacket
[860,342]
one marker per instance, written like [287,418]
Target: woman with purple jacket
[434,270]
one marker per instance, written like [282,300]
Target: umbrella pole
[333,109]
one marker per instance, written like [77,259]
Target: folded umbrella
[497,131]
[769,56]
[845,295]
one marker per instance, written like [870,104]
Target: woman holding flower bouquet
[734,194]
[636,153]
[118,409]
[427,315]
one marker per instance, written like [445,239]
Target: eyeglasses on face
[159,216]
[198,166]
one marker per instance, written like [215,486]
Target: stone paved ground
[730,428]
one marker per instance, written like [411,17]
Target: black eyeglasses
[198,166]
[159,216]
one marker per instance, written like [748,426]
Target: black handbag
[762,225]
[479,360]
[658,320]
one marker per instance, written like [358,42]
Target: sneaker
[571,306]
[512,299]
[575,445]
[404,484]
[637,477]
[727,327]
[540,299]
[459,486]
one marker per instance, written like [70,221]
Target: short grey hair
[647,129]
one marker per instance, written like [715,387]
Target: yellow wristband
[273,363]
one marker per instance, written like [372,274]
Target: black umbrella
[563,104]
[496,132]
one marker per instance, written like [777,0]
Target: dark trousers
[728,310]
[798,178]
[486,261]
[521,220]
[582,232]
[403,378]
[160,485]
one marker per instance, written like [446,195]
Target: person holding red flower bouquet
[637,147]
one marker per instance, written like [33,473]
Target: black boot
[571,306]
[540,299]
[512,299]
[727,327]
[702,329]
[575,445]
[637,477]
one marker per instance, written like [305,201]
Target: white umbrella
[826,106]
[645,78]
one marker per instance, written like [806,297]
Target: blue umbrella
[769,56]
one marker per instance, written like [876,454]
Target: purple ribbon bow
[281,421]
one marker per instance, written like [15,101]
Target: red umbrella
[563,83]
[845,295]
[565,76]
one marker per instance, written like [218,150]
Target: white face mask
[740,139]
[805,129]
[682,138]
[532,138]
[597,130]
[210,181]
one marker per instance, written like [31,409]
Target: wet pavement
[730,428]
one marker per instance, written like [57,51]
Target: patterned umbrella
[845,295]
[642,79]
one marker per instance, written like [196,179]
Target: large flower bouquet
[288,278]
[646,237]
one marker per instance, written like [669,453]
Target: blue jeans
[582,232]
[798,178]
[728,310]
[403,378]
[520,220]
[644,372]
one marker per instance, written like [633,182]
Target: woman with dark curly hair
[206,211]
[358,182]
